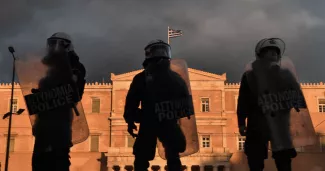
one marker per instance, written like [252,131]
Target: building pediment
[125,76]
[194,74]
[198,75]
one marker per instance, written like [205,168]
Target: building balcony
[215,157]
[221,153]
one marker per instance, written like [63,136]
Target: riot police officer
[52,129]
[265,72]
[156,84]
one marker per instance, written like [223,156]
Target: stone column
[227,168]
[224,137]
[113,101]
[215,167]
[223,102]
[162,167]
[201,167]
[122,167]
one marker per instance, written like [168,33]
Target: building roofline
[191,70]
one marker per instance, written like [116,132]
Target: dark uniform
[258,133]
[158,83]
[264,76]
[52,129]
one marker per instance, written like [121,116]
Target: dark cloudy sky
[219,35]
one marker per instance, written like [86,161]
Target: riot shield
[185,116]
[51,95]
[282,102]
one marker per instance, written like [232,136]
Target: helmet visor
[57,45]
[271,42]
[159,50]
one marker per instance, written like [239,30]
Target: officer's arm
[243,101]
[132,101]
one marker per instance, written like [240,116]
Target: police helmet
[157,49]
[276,43]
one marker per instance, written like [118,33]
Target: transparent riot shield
[186,117]
[282,102]
[51,96]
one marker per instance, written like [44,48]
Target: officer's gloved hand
[242,130]
[188,117]
[75,78]
[131,127]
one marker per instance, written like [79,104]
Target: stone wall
[220,123]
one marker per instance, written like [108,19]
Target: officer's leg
[283,159]
[40,159]
[144,149]
[174,142]
[62,159]
[283,164]
[255,164]
[173,160]
[256,152]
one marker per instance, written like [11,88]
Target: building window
[321,105]
[94,143]
[205,105]
[206,141]
[130,141]
[11,143]
[322,143]
[14,105]
[241,142]
[95,105]
[221,168]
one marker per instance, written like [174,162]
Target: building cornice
[222,77]
[197,118]
[129,154]
[200,120]
[97,85]
[319,85]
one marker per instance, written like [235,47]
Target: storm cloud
[218,36]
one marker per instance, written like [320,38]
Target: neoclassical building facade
[109,147]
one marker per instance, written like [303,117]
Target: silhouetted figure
[157,85]
[52,129]
[267,111]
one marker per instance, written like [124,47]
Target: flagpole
[168,34]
